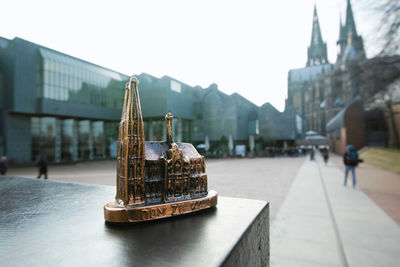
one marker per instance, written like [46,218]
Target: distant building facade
[210,114]
[320,91]
[55,104]
[197,112]
[69,109]
[304,93]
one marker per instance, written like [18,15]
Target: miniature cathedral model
[155,179]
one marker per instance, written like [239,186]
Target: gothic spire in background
[317,51]
[342,40]
[350,44]
[350,25]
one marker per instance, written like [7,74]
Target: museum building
[55,104]
[69,109]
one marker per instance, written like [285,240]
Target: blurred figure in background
[42,164]
[3,165]
[351,160]
[325,154]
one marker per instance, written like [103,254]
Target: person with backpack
[351,160]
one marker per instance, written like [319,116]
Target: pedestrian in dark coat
[3,165]
[42,164]
[325,154]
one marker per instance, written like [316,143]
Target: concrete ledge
[253,248]
[47,223]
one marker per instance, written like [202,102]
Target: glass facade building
[69,109]
[67,79]
[155,129]
[57,105]
[64,78]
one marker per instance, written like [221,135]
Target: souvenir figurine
[155,179]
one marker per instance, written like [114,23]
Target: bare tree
[380,78]
[384,100]
[387,33]
[390,25]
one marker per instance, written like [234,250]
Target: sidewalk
[323,223]
[382,186]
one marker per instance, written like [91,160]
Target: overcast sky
[244,46]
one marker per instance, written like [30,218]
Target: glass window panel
[56,92]
[69,140]
[46,77]
[70,82]
[58,79]
[84,139]
[98,139]
[35,135]
[53,92]
[74,71]
[77,84]
[64,81]
[77,81]
[67,94]
[68,70]
[64,94]
[48,134]
[46,89]
[61,68]
[52,78]
[61,93]
[49,65]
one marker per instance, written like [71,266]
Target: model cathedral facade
[155,172]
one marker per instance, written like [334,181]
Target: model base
[116,214]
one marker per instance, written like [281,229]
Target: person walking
[325,154]
[3,165]
[350,160]
[312,154]
[42,164]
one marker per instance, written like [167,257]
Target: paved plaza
[323,223]
[267,179]
[315,220]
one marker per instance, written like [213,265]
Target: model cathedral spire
[131,157]
[155,179]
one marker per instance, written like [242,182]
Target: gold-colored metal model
[155,179]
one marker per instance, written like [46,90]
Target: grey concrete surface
[316,221]
[323,223]
[49,223]
[266,179]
